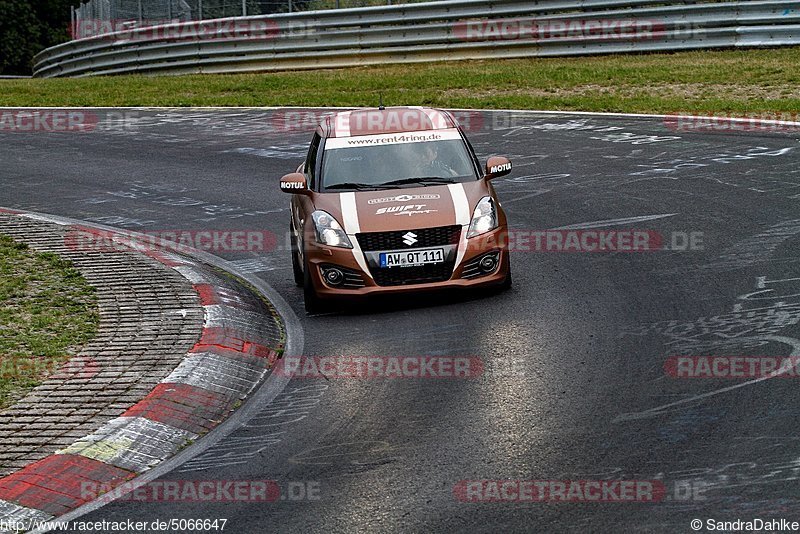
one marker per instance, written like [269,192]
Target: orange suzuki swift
[394,200]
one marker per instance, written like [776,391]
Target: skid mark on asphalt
[282,152]
[711,478]
[172,196]
[359,453]
[525,197]
[569,125]
[260,434]
[235,451]
[689,161]
[260,265]
[664,408]
[744,327]
[635,139]
[536,177]
[737,328]
[95,200]
[757,249]
[125,222]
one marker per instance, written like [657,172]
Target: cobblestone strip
[162,379]
[150,317]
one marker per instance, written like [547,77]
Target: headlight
[484,219]
[329,231]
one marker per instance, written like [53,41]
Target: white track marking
[613,222]
[526,111]
[659,410]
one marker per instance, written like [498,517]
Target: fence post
[244,8]
[199,9]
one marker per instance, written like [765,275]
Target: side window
[311,160]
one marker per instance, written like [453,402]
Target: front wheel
[296,268]
[313,303]
[506,283]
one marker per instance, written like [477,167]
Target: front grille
[422,274]
[426,237]
[353,280]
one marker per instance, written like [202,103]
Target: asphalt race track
[574,386]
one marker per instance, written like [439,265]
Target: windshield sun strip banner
[449,134]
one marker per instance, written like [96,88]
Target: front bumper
[320,256]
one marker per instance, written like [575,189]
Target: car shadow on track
[396,303]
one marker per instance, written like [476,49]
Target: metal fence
[430,31]
[97,17]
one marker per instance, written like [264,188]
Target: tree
[28,27]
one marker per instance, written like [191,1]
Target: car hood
[403,209]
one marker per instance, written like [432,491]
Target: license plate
[412,257]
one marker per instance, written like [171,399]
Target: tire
[506,283]
[296,268]
[313,303]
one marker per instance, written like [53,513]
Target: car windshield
[396,160]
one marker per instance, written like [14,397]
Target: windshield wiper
[352,185]
[422,179]
[393,184]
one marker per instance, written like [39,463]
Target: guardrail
[432,31]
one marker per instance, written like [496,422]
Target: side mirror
[497,166]
[294,183]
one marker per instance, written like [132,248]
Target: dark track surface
[570,350]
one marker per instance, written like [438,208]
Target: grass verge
[47,313]
[730,81]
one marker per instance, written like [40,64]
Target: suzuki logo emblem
[409,238]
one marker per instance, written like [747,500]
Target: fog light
[488,263]
[333,276]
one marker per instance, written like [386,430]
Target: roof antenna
[381,107]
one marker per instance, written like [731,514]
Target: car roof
[399,119]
